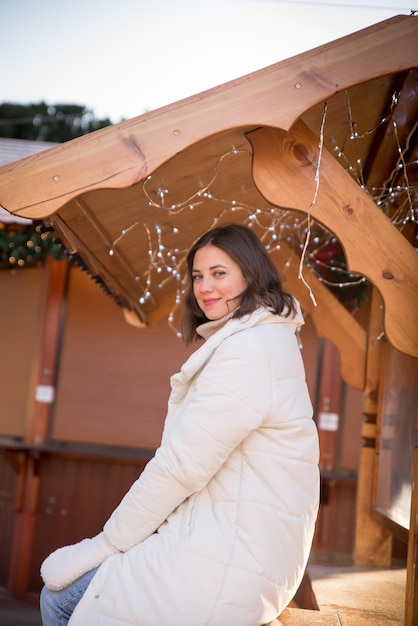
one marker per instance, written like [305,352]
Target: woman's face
[218,282]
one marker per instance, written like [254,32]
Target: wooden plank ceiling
[317,153]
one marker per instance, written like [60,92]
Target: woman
[218,528]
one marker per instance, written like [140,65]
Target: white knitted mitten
[65,565]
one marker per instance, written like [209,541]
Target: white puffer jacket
[217,529]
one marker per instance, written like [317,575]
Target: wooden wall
[20,297]
[113,379]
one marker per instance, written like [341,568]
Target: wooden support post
[24,527]
[55,273]
[55,280]
[372,542]
[411,598]
[329,407]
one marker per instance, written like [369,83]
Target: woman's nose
[205,284]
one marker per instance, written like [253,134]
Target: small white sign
[328,421]
[45,393]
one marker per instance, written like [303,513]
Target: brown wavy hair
[264,283]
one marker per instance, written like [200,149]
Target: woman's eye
[196,277]
[219,273]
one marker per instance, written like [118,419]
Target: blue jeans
[58,606]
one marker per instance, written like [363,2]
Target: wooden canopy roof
[318,146]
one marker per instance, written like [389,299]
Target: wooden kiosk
[317,150]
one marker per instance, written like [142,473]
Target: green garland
[27,246]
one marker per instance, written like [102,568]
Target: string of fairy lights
[316,247]
[404,194]
[274,223]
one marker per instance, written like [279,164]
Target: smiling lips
[209,301]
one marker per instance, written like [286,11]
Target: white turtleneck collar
[208,329]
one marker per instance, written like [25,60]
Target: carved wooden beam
[372,542]
[284,169]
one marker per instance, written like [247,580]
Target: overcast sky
[121,58]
